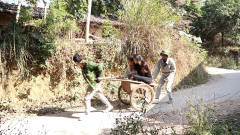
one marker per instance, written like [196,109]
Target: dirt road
[224,85]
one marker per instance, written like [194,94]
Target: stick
[124,80]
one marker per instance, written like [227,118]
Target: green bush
[108,30]
[133,125]
[200,119]
[23,47]
[224,62]
[229,125]
[58,22]
[77,8]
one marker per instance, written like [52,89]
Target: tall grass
[148,31]
[14,48]
[144,21]
[145,31]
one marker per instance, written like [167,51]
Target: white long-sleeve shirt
[167,68]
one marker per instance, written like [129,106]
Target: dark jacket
[143,69]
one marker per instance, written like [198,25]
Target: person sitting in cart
[91,74]
[143,70]
[131,70]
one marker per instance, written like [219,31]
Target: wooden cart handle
[126,80]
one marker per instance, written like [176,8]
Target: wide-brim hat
[164,52]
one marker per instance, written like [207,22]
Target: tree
[77,8]
[45,8]
[88,20]
[18,10]
[58,22]
[218,16]
[31,4]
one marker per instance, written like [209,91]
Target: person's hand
[97,80]
[120,77]
[166,79]
[130,76]
[154,81]
[123,78]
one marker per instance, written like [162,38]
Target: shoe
[170,102]
[108,109]
[87,112]
[80,119]
[92,109]
[155,101]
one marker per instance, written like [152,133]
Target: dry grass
[146,32]
[188,57]
[61,81]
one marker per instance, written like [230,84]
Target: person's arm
[88,76]
[148,71]
[87,79]
[126,74]
[157,69]
[98,69]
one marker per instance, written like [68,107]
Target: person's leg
[147,80]
[160,85]
[89,95]
[169,89]
[103,98]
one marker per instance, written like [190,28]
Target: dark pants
[145,79]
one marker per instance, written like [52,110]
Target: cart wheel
[123,96]
[142,97]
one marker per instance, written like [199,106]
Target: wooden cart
[137,94]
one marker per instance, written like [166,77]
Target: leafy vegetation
[202,121]
[40,50]
[77,8]
[146,27]
[228,125]
[218,16]
[58,23]
[133,124]
[108,30]
[25,50]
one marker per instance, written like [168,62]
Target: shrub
[133,124]
[58,23]
[200,119]
[23,47]
[108,30]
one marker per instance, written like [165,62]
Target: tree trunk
[18,10]
[45,8]
[88,20]
[222,38]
